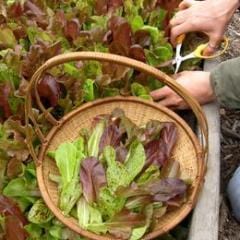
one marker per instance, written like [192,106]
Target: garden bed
[211,111]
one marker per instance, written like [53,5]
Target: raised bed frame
[205,220]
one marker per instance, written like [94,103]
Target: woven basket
[189,151]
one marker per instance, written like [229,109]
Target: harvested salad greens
[114,178]
[32,31]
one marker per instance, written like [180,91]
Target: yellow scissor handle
[180,38]
[199,50]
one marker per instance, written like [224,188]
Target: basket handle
[77,56]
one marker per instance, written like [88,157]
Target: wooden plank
[204,225]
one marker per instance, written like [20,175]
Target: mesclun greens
[116,195]
[31,33]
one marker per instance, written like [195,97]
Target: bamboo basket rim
[201,149]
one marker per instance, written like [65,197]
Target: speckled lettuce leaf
[109,204]
[39,213]
[117,174]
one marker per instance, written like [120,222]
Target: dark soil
[229,228]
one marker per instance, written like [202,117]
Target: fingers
[213,45]
[174,102]
[167,102]
[164,97]
[160,93]
[178,30]
[179,18]
[185,4]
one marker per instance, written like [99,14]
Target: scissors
[197,53]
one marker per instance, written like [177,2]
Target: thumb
[185,4]
[212,46]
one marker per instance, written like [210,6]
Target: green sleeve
[225,81]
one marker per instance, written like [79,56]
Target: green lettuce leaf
[154,33]
[83,212]
[3,167]
[109,204]
[34,33]
[68,159]
[56,232]
[71,70]
[89,217]
[137,23]
[137,89]
[88,90]
[135,160]
[110,92]
[34,230]
[99,22]
[117,174]
[151,173]
[85,7]
[79,143]
[15,103]
[154,84]
[159,55]
[7,38]
[9,75]
[19,187]
[39,213]
[70,193]
[157,17]
[94,140]
[92,69]
[138,233]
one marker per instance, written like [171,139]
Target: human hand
[209,16]
[197,83]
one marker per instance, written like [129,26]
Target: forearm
[225,81]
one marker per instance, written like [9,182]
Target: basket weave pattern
[188,150]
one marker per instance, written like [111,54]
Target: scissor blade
[167,63]
[178,64]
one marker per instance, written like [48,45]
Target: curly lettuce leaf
[158,55]
[34,230]
[140,91]
[110,92]
[117,174]
[39,213]
[109,204]
[19,187]
[88,90]
[69,195]
[157,17]
[7,74]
